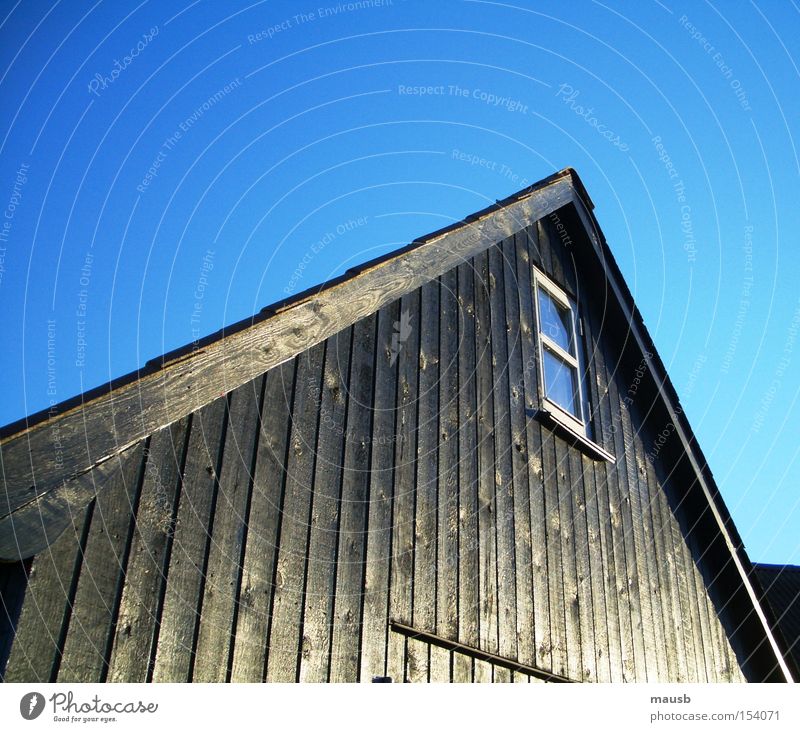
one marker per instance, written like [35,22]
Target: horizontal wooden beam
[472,652]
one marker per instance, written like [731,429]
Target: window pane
[555,321]
[561,383]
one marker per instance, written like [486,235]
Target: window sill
[569,434]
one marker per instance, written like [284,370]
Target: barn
[460,462]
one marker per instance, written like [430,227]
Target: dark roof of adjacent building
[781,585]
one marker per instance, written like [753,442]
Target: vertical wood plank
[633,507]
[526,621]
[566,530]
[180,614]
[406,346]
[631,532]
[427,487]
[482,673]
[258,583]
[601,550]
[526,244]
[417,661]
[668,523]
[463,672]
[287,611]
[85,648]
[544,252]
[468,601]
[354,501]
[487,505]
[448,458]
[136,632]
[597,576]
[608,480]
[686,622]
[501,675]
[693,608]
[710,640]
[503,481]
[375,621]
[664,580]
[326,495]
[658,669]
[228,536]
[590,635]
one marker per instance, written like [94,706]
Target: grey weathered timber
[709,638]
[187,564]
[375,621]
[487,499]
[503,477]
[447,558]
[227,534]
[608,484]
[87,644]
[135,637]
[406,346]
[640,596]
[631,533]
[354,504]
[482,671]
[686,622]
[677,628]
[426,481]
[468,602]
[652,586]
[41,457]
[596,578]
[597,499]
[320,576]
[524,243]
[287,613]
[264,519]
[555,572]
[523,563]
[666,595]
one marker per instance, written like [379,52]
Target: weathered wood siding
[390,474]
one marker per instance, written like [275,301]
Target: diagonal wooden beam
[38,458]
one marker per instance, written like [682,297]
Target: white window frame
[579,423]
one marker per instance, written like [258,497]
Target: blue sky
[167,168]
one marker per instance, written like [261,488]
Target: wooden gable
[360,483]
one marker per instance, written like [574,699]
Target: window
[561,357]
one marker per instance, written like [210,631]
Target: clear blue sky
[167,166]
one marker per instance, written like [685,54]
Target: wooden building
[460,462]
